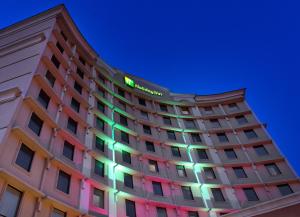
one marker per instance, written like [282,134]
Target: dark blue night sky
[201,47]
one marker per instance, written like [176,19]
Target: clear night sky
[201,47]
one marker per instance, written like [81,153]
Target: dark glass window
[122,105]
[202,154]
[150,146]
[99,144]
[209,173]
[101,92]
[217,194]
[233,106]
[25,157]
[98,198]
[43,99]
[195,137]
[250,194]
[230,153]
[208,110]
[72,125]
[239,172]
[35,124]
[181,170]
[130,208]
[187,192]
[157,189]
[121,92]
[144,114]
[75,104]
[123,120]
[60,48]
[147,129]
[81,60]
[99,124]
[80,73]
[171,135]
[126,157]
[63,183]
[285,189]
[250,134]
[193,214]
[215,123]
[175,151]
[260,150]
[161,212]
[100,106]
[101,78]
[185,110]
[190,124]
[55,61]
[99,168]
[241,119]
[124,137]
[77,87]
[68,150]
[64,36]
[273,169]
[10,202]
[142,101]
[128,180]
[163,107]
[167,121]
[153,166]
[50,77]
[222,137]
[58,213]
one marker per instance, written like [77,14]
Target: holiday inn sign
[131,83]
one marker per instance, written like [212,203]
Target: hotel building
[79,138]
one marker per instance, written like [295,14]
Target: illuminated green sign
[131,83]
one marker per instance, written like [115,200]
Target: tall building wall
[77,140]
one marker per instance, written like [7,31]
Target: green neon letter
[129,82]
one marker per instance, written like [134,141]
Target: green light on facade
[129,82]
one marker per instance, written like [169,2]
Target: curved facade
[80,138]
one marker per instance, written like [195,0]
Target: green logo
[129,82]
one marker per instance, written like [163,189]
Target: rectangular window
[58,213]
[163,107]
[128,180]
[55,61]
[147,129]
[222,137]
[202,154]
[273,169]
[35,124]
[64,36]
[99,168]
[250,194]
[171,135]
[150,146]
[10,202]
[260,150]
[63,183]
[233,106]
[167,121]
[161,212]
[153,166]
[80,73]
[60,48]
[130,208]
[123,120]
[196,137]
[241,119]
[101,92]
[121,92]
[230,153]
[190,124]
[126,157]
[81,60]
[157,189]
[99,124]
[124,137]
[77,87]
[175,151]
[187,193]
[43,99]
[193,214]
[250,134]
[101,78]
[217,194]
[50,77]
[98,198]
[215,123]
[122,105]
[68,150]
[72,125]
[239,172]
[100,106]
[99,144]
[142,101]
[208,110]
[185,110]
[181,171]
[25,157]
[75,105]
[209,173]
[285,189]
[144,114]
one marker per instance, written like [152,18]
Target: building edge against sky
[79,138]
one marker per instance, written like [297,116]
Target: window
[147,129]
[215,123]
[25,157]
[81,60]
[98,198]
[208,110]
[50,77]
[60,48]
[195,137]
[209,173]
[190,124]
[181,171]
[250,134]
[157,189]
[150,146]
[128,180]
[72,125]
[233,106]
[241,119]
[63,183]
[126,157]
[101,78]
[202,154]
[124,137]
[99,124]
[273,169]
[58,213]
[167,121]
[185,110]
[35,124]
[230,153]
[64,36]
[99,168]
[75,105]
[43,99]
[239,172]
[142,101]
[260,150]
[68,150]
[285,189]
[121,92]
[130,208]
[187,192]
[100,106]
[175,151]
[123,120]
[10,202]
[217,194]
[80,73]
[55,61]
[101,92]
[99,144]
[193,214]
[171,135]
[163,107]
[222,137]
[250,194]
[122,105]
[77,87]
[153,166]
[144,114]
[161,212]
